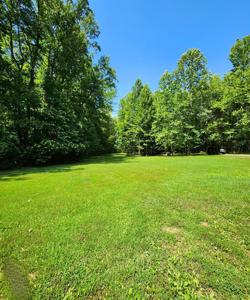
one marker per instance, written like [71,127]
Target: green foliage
[182,285]
[54,99]
[230,126]
[135,121]
[192,110]
[166,124]
[239,54]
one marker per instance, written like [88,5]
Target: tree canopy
[55,99]
[56,91]
[192,110]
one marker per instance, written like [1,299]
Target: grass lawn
[117,227]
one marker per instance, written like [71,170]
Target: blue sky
[144,37]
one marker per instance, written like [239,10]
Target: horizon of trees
[192,110]
[56,95]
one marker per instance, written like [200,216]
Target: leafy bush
[50,151]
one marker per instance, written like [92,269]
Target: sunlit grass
[128,228]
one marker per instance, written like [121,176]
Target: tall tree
[56,99]
[127,124]
[239,54]
[231,114]
[144,122]
[215,129]
[192,77]
[166,124]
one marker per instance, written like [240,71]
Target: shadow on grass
[16,280]
[108,159]
[20,174]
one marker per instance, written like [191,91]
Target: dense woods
[55,95]
[56,91]
[192,109]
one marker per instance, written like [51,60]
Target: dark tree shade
[54,100]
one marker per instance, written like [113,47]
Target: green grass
[117,227]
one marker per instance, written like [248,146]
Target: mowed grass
[117,227]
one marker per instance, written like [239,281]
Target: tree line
[55,94]
[192,110]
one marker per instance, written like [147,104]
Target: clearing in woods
[128,228]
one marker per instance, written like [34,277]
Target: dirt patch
[177,248]
[82,238]
[144,256]
[101,294]
[32,276]
[204,224]
[170,229]
[208,291]
[170,247]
